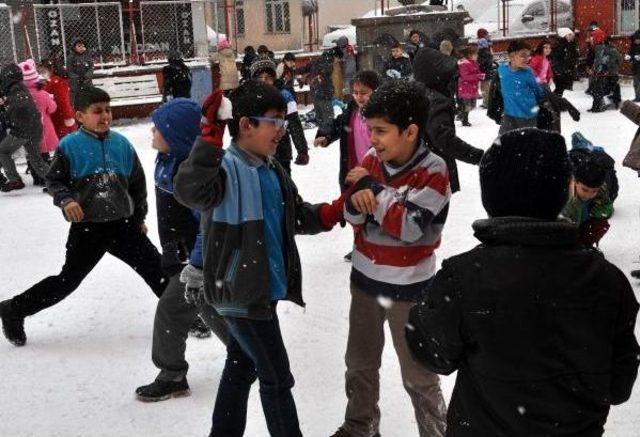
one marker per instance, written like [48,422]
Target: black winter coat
[485,60]
[441,136]
[21,116]
[340,132]
[540,330]
[634,53]
[564,62]
[176,80]
[401,65]
[320,71]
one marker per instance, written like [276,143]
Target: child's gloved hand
[575,114]
[216,110]
[302,159]
[193,279]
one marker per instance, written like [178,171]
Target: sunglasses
[279,123]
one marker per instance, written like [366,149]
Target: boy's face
[97,117]
[519,59]
[261,135]
[80,48]
[415,38]
[396,52]
[392,144]
[158,142]
[266,78]
[290,64]
[361,94]
[586,193]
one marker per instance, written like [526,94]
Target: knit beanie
[224,44]
[526,173]
[262,64]
[29,71]
[178,121]
[589,172]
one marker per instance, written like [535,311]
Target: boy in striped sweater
[398,208]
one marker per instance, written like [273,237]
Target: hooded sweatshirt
[22,116]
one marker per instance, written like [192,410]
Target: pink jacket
[47,106]
[542,70]
[470,77]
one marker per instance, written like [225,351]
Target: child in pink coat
[45,104]
[468,81]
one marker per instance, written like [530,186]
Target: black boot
[465,119]
[635,274]
[199,329]
[12,324]
[160,390]
[12,185]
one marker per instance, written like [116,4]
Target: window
[240,17]
[627,15]
[277,16]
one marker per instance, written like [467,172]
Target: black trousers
[86,245]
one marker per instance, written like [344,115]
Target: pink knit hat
[29,71]
[224,44]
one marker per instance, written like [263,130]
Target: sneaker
[12,324]
[12,185]
[199,329]
[635,274]
[160,390]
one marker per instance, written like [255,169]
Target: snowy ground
[85,356]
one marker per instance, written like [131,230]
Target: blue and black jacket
[100,172]
[225,185]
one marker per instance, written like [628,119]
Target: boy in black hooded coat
[540,329]
[176,78]
[439,74]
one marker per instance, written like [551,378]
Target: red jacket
[59,87]
[537,65]
[470,77]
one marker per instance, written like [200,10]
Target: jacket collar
[97,136]
[391,172]
[526,231]
[249,158]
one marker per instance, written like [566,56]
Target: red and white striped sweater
[394,247]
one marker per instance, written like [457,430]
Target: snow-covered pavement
[84,357]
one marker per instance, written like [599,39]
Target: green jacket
[578,211]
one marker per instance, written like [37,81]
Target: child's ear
[412,132]
[79,115]
[245,124]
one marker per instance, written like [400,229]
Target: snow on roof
[330,38]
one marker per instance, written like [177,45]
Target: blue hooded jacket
[179,123]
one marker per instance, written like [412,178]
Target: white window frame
[271,9]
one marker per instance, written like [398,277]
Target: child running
[470,78]
[97,180]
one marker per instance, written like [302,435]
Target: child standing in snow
[399,65]
[46,106]
[97,180]
[176,78]
[399,206]
[540,330]
[264,70]
[58,86]
[79,68]
[470,78]
[516,103]
[541,64]
[175,129]
[351,128]
[251,257]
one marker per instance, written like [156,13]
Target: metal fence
[8,43]
[99,25]
[191,28]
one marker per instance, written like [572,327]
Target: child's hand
[356,174]
[320,142]
[364,201]
[73,212]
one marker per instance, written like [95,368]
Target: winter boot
[37,180]
[465,118]
[12,324]
[160,390]
[12,185]
[199,329]
[341,432]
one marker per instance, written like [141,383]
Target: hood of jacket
[435,69]
[10,75]
[525,231]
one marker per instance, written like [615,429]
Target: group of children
[228,217]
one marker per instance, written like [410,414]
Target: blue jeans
[255,350]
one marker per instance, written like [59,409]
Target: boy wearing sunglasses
[251,212]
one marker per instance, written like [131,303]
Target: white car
[525,16]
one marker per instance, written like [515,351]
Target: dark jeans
[174,317]
[324,116]
[606,86]
[86,245]
[255,350]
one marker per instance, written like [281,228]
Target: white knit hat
[564,31]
